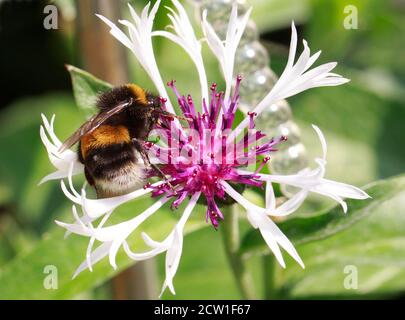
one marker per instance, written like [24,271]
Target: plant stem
[231,240]
[268,264]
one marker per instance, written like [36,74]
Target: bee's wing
[92,124]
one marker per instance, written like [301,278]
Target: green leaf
[23,277]
[302,230]
[86,88]
[374,248]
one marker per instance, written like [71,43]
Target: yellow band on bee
[138,92]
[103,136]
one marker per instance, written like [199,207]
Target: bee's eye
[157,103]
[154,102]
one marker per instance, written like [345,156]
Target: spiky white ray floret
[297,78]
[311,181]
[63,161]
[185,37]
[225,50]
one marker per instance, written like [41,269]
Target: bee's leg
[162,175]
[145,157]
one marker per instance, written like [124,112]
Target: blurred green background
[363,123]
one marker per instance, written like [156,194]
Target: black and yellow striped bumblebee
[111,143]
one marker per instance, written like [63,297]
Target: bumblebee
[111,143]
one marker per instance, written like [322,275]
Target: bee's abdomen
[115,169]
[103,137]
[111,160]
[101,161]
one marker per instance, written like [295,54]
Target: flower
[62,161]
[209,160]
[206,159]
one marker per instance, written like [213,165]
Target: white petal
[50,129]
[322,140]
[143,255]
[256,221]
[114,235]
[97,207]
[116,32]
[270,229]
[225,51]
[241,26]
[92,240]
[309,79]
[69,195]
[214,42]
[270,197]
[290,206]
[53,176]
[61,161]
[232,24]
[152,243]
[75,228]
[98,254]
[249,206]
[344,190]
[293,47]
[134,15]
[312,59]
[274,237]
[294,79]
[301,63]
[126,228]
[331,195]
[173,255]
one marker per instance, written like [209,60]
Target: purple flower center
[199,156]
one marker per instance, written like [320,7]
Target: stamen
[264,161]
[205,176]
[251,116]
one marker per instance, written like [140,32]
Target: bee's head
[154,102]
